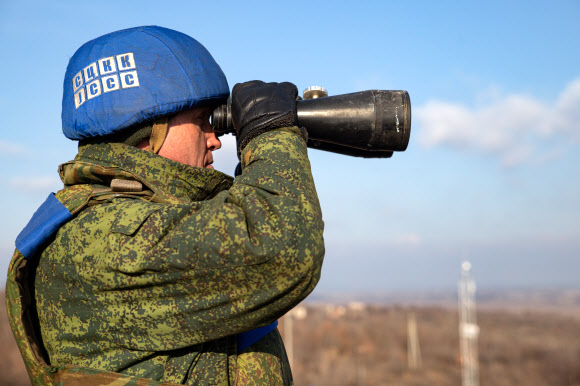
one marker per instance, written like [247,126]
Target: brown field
[367,345]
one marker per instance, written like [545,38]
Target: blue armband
[248,338]
[42,227]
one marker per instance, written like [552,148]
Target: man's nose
[213,142]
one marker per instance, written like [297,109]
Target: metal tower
[413,348]
[468,328]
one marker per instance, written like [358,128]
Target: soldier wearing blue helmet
[149,266]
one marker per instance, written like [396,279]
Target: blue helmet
[134,76]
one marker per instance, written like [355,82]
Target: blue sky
[492,170]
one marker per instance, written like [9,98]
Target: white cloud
[510,127]
[35,184]
[11,149]
[567,110]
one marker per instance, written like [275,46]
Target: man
[149,265]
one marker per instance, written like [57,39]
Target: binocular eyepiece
[368,124]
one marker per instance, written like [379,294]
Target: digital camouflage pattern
[151,287]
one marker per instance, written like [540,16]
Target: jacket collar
[170,180]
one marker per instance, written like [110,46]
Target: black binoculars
[368,124]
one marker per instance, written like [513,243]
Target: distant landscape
[560,301]
[527,337]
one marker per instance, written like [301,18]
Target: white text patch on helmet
[105,75]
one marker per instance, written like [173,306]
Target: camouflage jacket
[152,286]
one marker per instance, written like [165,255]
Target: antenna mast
[468,328]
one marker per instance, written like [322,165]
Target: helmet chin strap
[158,135]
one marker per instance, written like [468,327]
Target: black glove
[258,107]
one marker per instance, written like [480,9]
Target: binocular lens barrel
[369,124]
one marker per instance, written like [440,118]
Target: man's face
[191,139]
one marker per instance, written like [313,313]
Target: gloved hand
[258,107]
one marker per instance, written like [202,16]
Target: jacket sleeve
[229,264]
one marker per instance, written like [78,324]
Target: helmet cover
[134,76]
